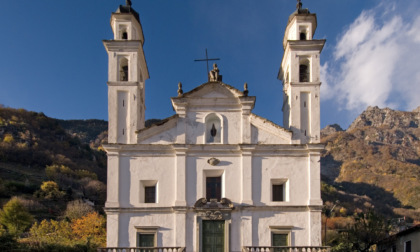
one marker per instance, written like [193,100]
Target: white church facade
[214,176]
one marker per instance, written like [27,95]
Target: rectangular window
[279,190]
[280,239]
[148,191]
[146,238]
[214,188]
[407,246]
[150,194]
[280,236]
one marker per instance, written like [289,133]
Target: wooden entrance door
[213,236]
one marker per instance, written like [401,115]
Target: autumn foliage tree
[51,232]
[83,234]
[50,190]
[91,228]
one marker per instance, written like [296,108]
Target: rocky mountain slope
[375,162]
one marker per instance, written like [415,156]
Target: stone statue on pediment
[214,75]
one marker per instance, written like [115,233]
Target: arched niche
[213,128]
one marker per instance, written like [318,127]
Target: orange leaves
[91,227]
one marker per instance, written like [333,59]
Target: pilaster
[180,229]
[112,223]
[314,178]
[248,103]
[180,175]
[113,177]
[246,174]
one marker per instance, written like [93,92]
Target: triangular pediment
[215,94]
[213,90]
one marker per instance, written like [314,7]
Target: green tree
[15,217]
[367,229]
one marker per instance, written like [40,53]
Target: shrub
[77,209]
[86,174]
[15,217]
[50,190]
[8,138]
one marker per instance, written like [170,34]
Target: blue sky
[53,59]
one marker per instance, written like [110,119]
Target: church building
[214,176]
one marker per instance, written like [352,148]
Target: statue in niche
[213,133]
[214,74]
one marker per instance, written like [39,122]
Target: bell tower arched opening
[123,69]
[304,70]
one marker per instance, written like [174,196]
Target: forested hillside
[35,149]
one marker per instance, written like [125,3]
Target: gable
[264,131]
[161,133]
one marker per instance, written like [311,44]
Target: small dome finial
[180,91]
[245,89]
[299,5]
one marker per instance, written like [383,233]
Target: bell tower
[127,73]
[300,74]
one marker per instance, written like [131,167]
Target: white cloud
[376,62]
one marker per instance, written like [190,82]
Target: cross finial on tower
[299,5]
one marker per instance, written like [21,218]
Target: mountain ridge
[378,156]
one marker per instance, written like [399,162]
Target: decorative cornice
[226,207]
[123,83]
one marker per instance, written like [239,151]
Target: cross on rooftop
[207,61]
[299,5]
